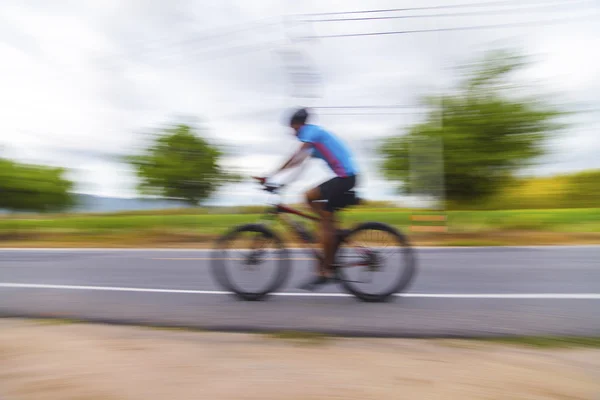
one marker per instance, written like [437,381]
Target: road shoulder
[62,360]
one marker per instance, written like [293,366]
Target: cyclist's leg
[327,222]
[312,199]
[335,193]
[332,191]
[328,228]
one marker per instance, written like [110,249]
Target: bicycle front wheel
[251,261]
[375,261]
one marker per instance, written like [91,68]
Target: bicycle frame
[280,211]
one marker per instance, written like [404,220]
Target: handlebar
[272,188]
[269,187]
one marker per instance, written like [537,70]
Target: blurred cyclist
[323,199]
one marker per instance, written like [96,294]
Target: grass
[175,328]
[304,338]
[466,228]
[541,342]
[56,321]
[581,220]
[551,342]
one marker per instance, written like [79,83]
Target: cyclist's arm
[296,159]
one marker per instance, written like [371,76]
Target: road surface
[458,292]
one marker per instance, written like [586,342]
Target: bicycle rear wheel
[373,269]
[251,261]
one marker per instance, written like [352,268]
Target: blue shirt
[329,148]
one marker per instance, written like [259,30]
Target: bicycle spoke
[382,269]
[249,262]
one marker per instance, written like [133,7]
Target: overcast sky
[81,81]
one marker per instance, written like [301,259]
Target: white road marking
[230,259]
[516,296]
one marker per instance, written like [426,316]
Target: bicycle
[370,259]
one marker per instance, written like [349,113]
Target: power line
[219,53]
[176,47]
[459,14]
[331,110]
[256,25]
[366,107]
[374,113]
[224,35]
[234,51]
[459,28]
[267,22]
[487,4]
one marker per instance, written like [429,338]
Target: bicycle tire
[221,275]
[408,256]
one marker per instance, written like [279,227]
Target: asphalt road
[458,292]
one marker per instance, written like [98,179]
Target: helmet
[300,116]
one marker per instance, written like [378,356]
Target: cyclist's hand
[261,180]
[269,187]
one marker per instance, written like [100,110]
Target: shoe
[315,282]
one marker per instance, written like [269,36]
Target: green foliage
[487,131]
[583,189]
[33,188]
[577,190]
[180,165]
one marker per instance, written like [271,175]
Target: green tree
[34,188]
[486,129]
[180,165]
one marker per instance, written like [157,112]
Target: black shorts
[333,191]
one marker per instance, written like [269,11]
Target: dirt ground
[95,362]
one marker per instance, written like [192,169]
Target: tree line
[467,152]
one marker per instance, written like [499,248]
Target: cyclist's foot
[316,282]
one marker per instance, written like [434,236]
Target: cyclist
[323,199]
